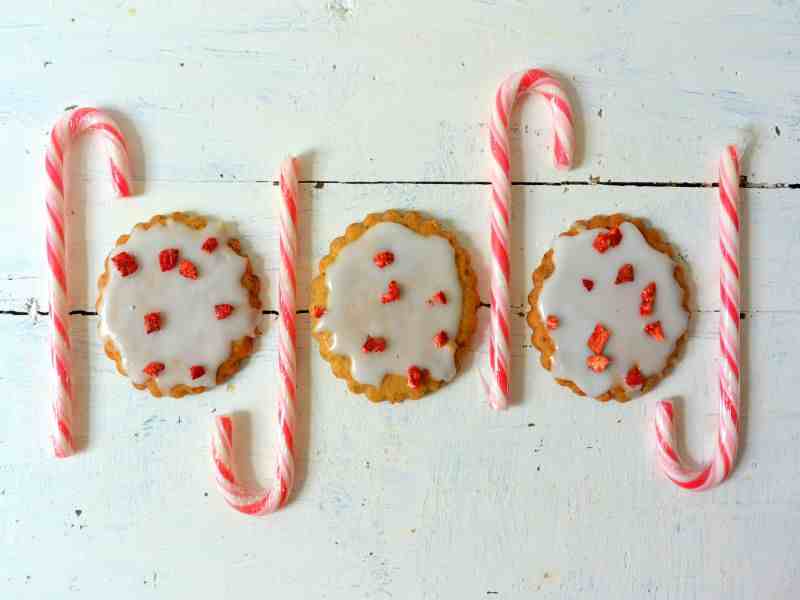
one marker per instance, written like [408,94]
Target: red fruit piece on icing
[210,245]
[634,377]
[168,258]
[648,299]
[383,259]
[126,263]
[438,298]
[197,371]
[609,239]
[601,242]
[317,311]
[440,339]
[625,274]
[153,368]
[187,269]
[372,344]
[597,341]
[223,311]
[392,293]
[415,377]
[655,331]
[588,284]
[152,322]
[597,362]
[552,322]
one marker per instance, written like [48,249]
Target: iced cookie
[609,308]
[394,306]
[179,305]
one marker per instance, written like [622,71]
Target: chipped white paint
[558,497]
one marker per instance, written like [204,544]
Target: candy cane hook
[727,443]
[248,500]
[533,81]
[68,128]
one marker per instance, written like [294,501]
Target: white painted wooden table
[557,498]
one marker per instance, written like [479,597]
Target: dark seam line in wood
[744,183]
[304,311]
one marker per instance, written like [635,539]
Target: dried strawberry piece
[392,293]
[601,242]
[126,263]
[210,245]
[597,341]
[223,311]
[655,331]
[588,284]
[552,322]
[415,377]
[648,299]
[440,339]
[634,377]
[152,322]
[374,344]
[187,269]
[383,259]
[168,258]
[153,368]
[438,298]
[605,240]
[625,274]
[317,311]
[197,371]
[598,362]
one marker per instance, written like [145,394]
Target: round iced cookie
[609,308]
[178,304]
[394,306]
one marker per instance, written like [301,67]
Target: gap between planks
[304,311]
[592,181]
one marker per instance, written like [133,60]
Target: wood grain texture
[557,498]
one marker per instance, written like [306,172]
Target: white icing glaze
[615,306]
[422,267]
[190,332]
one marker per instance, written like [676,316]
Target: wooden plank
[393,499]
[360,86]
[686,215]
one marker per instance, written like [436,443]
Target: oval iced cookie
[394,306]
[609,308]
[178,304]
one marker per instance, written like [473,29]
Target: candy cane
[248,500]
[64,133]
[727,444]
[517,85]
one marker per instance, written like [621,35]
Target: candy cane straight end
[67,129]
[532,81]
[727,442]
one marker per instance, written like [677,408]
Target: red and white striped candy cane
[727,443]
[68,128]
[264,501]
[525,82]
